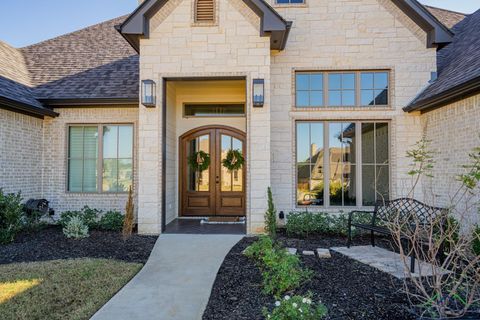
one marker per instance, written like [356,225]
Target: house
[319,97]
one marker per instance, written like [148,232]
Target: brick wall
[21,154]
[453,131]
[55,157]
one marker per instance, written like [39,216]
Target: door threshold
[223,220]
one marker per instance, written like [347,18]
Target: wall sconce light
[258,93]
[148,93]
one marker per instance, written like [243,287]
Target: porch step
[223,220]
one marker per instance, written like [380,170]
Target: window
[204,10]
[309,89]
[341,89]
[342,164]
[290,1]
[213,110]
[112,156]
[374,88]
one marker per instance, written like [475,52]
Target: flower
[294,305]
[304,300]
[309,301]
[301,311]
[277,303]
[287,297]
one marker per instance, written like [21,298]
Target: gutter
[454,94]
[25,108]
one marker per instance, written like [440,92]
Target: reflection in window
[310,183]
[198,181]
[342,164]
[374,88]
[338,151]
[117,158]
[82,158]
[375,166]
[341,89]
[231,180]
[309,89]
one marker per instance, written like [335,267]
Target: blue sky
[24,22]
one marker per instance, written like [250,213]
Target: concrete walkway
[176,281]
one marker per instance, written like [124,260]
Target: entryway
[212,172]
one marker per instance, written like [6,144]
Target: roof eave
[25,108]
[67,102]
[454,94]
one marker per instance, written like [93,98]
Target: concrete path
[176,281]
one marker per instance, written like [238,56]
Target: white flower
[277,303]
[301,311]
[287,297]
[309,301]
[294,304]
[304,300]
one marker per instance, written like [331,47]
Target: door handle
[217,179]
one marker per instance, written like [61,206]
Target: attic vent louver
[204,10]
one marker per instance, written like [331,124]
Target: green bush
[271,216]
[296,307]
[476,240]
[304,224]
[75,228]
[11,211]
[112,221]
[281,271]
[89,217]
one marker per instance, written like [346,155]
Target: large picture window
[342,164]
[100,165]
[341,89]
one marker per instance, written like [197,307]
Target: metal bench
[414,212]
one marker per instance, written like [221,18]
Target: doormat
[223,220]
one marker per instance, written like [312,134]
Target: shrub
[88,215]
[296,307]
[112,221]
[128,221]
[76,228]
[271,216]
[280,271]
[304,224]
[476,240]
[10,216]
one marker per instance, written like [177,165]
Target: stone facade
[347,35]
[21,152]
[54,186]
[453,132]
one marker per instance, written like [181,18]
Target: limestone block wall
[347,35]
[453,131]
[176,47]
[54,184]
[21,154]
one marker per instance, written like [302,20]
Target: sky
[25,22]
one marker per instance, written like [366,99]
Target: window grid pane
[341,89]
[344,171]
[374,88]
[309,89]
[82,158]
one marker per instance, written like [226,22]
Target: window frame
[100,156]
[185,104]
[357,91]
[326,166]
[304,2]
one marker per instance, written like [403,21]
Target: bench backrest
[407,209]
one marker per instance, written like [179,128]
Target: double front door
[212,190]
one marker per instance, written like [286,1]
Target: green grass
[60,289]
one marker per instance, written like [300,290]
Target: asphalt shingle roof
[95,62]
[447,17]
[458,63]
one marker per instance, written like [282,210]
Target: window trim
[100,126]
[326,167]
[357,93]
[213,115]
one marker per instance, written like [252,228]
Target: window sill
[289,5]
[73,193]
[204,24]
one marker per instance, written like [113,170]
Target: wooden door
[215,191]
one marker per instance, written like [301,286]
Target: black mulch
[349,289]
[51,244]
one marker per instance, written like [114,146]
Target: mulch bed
[51,244]
[349,289]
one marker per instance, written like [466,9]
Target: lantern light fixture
[258,93]
[148,93]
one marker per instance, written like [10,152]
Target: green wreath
[199,161]
[234,160]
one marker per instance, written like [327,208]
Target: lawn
[61,289]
